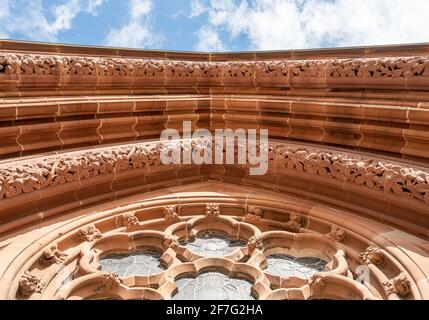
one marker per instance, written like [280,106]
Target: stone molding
[156,71]
[392,178]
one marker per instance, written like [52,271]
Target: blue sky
[217,25]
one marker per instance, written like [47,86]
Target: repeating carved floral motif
[29,284]
[399,285]
[392,67]
[392,178]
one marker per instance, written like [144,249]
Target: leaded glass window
[135,263]
[213,245]
[213,286]
[287,265]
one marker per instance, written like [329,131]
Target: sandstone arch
[80,175]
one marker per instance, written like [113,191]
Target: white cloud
[93,5]
[209,40]
[197,9]
[137,32]
[34,20]
[288,24]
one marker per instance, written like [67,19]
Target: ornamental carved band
[391,178]
[386,67]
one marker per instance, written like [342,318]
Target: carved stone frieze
[383,67]
[19,178]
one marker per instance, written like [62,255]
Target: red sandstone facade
[81,177]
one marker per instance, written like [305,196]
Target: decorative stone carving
[372,255]
[255,213]
[336,234]
[110,282]
[255,242]
[89,233]
[128,220]
[171,242]
[399,285]
[271,69]
[385,67]
[212,210]
[295,221]
[52,256]
[316,283]
[171,214]
[29,284]
[308,69]
[392,178]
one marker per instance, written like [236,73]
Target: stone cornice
[392,178]
[406,72]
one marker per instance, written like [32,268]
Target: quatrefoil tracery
[171,240]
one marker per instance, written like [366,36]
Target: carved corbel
[336,234]
[295,221]
[127,220]
[170,242]
[89,233]
[255,242]
[316,283]
[373,255]
[110,282]
[29,284]
[171,214]
[255,213]
[52,256]
[399,285]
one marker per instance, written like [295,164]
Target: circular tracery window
[213,245]
[135,263]
[287,265]
[213,286]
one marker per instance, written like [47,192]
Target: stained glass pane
[135,263]
[286,265]
[213,245]
[213,286]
